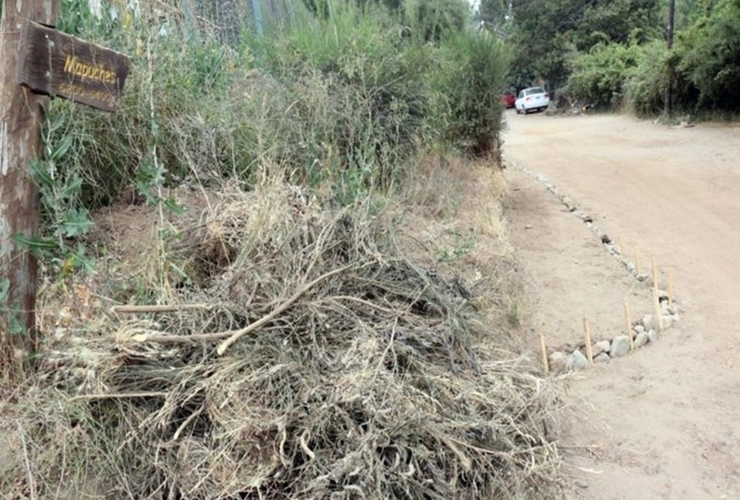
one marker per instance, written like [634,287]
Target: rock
[642,277]
[602,358]
[620,346]
[584,217]
[581,483]
[596,349]
[652,335]
[604,346]
[639,328]
[667,321]
[641,339]
[631,268]
[577,361]
[673,308]
[558,362]
[568,204]
[647,321]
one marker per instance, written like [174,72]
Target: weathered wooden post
[36,61]
[21,118]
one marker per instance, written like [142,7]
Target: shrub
[708,57]
[648,81]
[346,99]
[598,77]
[361,100]
[472,72]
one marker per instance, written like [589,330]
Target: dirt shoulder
[660,424]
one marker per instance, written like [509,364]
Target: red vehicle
[508,100]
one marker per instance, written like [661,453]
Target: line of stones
[644,331]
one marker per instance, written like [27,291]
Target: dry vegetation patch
[310,351]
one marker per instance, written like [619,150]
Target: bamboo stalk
[587,339]
[543,347]
[628,321]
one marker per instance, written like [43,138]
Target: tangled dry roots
[374,381]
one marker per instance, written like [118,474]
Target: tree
[708,56]
[548,33]
[493,13]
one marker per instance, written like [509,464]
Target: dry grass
[356,371]
[453,222]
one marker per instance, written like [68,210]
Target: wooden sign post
[57,64]
[35,62]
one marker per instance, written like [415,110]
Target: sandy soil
[663,422]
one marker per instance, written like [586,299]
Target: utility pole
[21,118]
[669,87]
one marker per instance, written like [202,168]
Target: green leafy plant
[599,76]
[59,189]
[708,57]
[472,72]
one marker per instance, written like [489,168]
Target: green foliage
[547,34]
[345,100]
[470,76]
[493,13]
[60,189]
[708,57]
[323,8]
[704,66]
[355,95]
[648,81]
[598,77]
[4,288]
[434,19]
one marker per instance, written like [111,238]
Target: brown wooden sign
[61,65]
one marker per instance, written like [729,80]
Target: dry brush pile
[316,362]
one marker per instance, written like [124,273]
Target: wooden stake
[670,287]
[628,321]
[545,361]
[587,339]
[655,275]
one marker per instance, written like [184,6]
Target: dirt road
[664,422]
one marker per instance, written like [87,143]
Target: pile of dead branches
[309,359]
